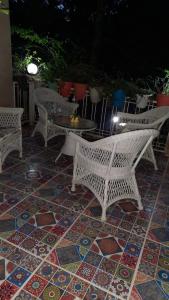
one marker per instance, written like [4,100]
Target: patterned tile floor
[54,246]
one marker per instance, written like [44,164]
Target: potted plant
[163,93]
[79,76]
[97,80]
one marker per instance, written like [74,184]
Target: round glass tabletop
[82,124]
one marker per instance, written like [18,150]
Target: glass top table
[81,125]
[64,122]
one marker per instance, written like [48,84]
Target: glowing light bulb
[32,69]
[115,119]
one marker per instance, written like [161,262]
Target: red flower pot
[80,90]
[65,88]
[162,100]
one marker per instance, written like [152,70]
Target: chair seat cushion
[6,132]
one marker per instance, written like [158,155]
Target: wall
[6,90]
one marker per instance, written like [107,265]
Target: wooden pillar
[6,90]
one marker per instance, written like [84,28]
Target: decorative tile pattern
[102,279]
[93,259]
[16,238]
[51,292]
[24,296]
[30,262]
[46,271]
[86,271]
[124,273]
[19,276]
[77,287]
[35,285]
[64,230]
[94,293]
[150,290]
[119,287]
[61,279]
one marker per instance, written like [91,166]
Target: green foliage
[46,52]
[166,83]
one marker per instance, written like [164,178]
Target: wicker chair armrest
[10,117]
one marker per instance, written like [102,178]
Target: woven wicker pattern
[107,167]
[49,104]
[10,132]
[153,119]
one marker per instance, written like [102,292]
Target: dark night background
[131,37]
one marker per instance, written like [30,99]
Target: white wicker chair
[50,104]
[153,119]
[10,132]
[107,167]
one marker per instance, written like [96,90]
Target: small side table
[64,122]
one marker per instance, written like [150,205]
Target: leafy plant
[46,52]
[158,84]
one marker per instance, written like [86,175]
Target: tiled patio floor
[53,245]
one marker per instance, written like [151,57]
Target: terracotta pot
[162,100]
[80,90]
[65,88]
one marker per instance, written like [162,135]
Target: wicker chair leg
[73,188]
[137,194]
[153,159]
[103,217]
[46,143]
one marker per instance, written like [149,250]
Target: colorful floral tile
[24,296]
[51,292]
[36,285]
[120,288]
[16,238]
[150,257]
[72,236]
[30,262]
[17,256]
[5,248]
[77,287]
[19,276]
[7,290]
[147,269]
[132,249]
[41,250]
[29,244]
[46,271]
[124,273]
[38,234]
[93,259]
[50,239]
[61,279]
[108,265]
[94,293]
[129,260]
[102,279]
[86,271]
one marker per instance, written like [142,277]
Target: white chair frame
[151,119]
[10,127]
[50,103]
[107,167]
